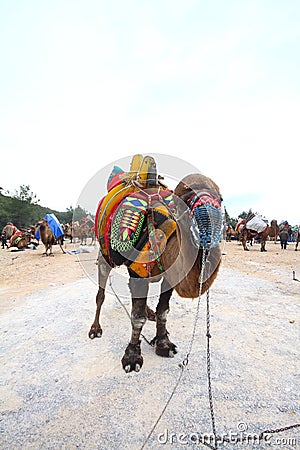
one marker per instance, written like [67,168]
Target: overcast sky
[217,83]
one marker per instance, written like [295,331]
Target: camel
[17,238]
[182,260]
[297,238]
[231,233]
[68,231]
[246,234]
[48,238]
[77,231]
[273,230]
[10,229]
[82,231]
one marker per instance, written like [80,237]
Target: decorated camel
[253,227]
[50,233]
[157,234]
[17,238]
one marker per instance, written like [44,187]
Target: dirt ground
[26,272]
[60,390]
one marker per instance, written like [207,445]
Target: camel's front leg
[46,250]
[132,359]
[164,347]
[103,273]
[50,250]
[96,330]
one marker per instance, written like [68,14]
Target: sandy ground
[60,390]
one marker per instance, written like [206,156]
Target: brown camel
[181,260]
[231,233]
[17,238]
[297,238]
[271,231]
[274,230]
[67,231]
[48,237]
[78,231]
[10,229]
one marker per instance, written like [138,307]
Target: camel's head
[201,204]
[42,224]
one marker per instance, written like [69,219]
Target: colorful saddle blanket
[134,224]
[17,240]
[127,223]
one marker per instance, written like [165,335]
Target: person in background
[284,235]
[4,239]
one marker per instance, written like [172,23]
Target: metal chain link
[208,368]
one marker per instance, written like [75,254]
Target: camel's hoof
[132,359]
[51,254]
[44,254]
[95,333]
[128,368]
[164,347]
[137,367]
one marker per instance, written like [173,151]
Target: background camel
[10,229]
[231,233]
[16,237]
[48,238]
[81,231]
[182,263]
[271,231]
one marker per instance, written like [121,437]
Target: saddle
[16,239]
[135,219]
[256,224]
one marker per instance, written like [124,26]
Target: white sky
[84,83]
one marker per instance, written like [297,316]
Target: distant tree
[66,216]
[79,213]
[230,220]
[25,194]
[23,210]
[245,214]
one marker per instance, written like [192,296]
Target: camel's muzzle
[207,220]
